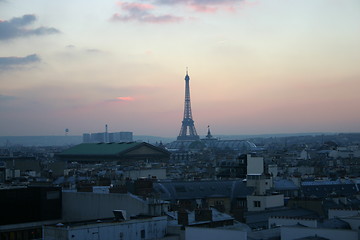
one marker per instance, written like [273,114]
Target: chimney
[203,215]
[183,217]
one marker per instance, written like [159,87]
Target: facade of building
[25,209]
[158,173]
[121,137]
[301,232]
[135,229]
[17,166]
[195,233]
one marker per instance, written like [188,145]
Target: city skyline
[256,67]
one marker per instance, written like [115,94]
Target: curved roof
[238,145]
[202,189]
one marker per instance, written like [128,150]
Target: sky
[255,66]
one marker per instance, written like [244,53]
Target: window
[257,204]
[241,203]
[142,233]
[219,202]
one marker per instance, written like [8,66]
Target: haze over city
[255,67]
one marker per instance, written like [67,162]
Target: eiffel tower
[187,131]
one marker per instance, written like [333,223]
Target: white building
[159,173]
[107,137]
[340,213]
[308,228]
[273,170]
[304,155]
[196,233]
[261,203]
[121,137]
[262,199]
[298,232]
[255,165]
[148,228]
[83,206]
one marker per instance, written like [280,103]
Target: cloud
[93,50]
[74,49]
[140,12]
[206,6]
[9,62]
[125,98]
[121,99]
[17,27]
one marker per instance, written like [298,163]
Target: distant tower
[106,140]
[209,136]
[187,131]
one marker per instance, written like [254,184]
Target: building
[106,137]
[329,188]
[18,165]
[225,195]
[121,137]
[2,172]
[84,206]
[205,223]
[25,209]
[122,153]
[158,173]
[195,233]
[111,228]
[200,217]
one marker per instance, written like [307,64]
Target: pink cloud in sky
[125,98]
[205,6]
[117,99]
[141,12]
[135,6]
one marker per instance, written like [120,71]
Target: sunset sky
[255,66]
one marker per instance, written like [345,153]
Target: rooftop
[99,148]
[202,189]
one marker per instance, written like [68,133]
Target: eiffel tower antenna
[187,131]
